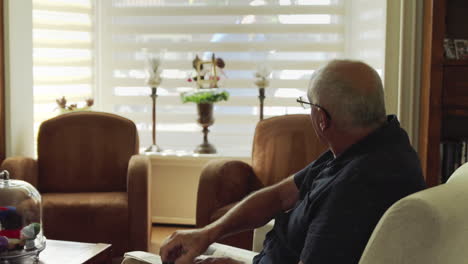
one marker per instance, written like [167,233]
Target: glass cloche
[21,233]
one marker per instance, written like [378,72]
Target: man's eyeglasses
[307,105]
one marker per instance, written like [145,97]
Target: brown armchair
[94,187]
[282,146]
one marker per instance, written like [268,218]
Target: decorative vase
[205,119]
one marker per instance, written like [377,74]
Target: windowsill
[191,155]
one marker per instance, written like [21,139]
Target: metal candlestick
[154,147]
[261,91]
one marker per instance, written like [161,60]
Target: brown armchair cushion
[282,146]
[88,217]
[88,158]
[222,182]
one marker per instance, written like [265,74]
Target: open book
[216,249]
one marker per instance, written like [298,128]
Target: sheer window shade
[292,37]
[63,56]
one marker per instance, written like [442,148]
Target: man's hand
[257,209]
[182,247]
[216,260]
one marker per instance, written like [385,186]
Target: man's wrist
[213,232]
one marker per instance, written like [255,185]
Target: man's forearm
[255,210]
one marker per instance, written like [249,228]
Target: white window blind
[63,54]
[292,37]
[365,34]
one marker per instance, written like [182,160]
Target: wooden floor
[160,232]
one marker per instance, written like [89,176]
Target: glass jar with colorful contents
[21,233]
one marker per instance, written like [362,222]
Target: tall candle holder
[154,147]
[263,71]
[261,83]
[154,80]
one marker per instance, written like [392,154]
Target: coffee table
[61,252]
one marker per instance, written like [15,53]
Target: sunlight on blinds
[63,56]
[294,37]
[366,35]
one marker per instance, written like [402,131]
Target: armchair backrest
[85,152]
[460,174]
[428,227]
[283,145]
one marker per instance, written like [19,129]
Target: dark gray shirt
[342,199]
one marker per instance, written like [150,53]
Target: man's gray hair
[348,105]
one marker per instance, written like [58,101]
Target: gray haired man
[326,212]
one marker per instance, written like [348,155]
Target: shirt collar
[389,133]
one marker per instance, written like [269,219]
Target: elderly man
[326,212]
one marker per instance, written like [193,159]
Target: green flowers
[208,96]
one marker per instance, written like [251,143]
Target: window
[63,55]
[89,48]
[293,37]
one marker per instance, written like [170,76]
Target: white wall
[18,78]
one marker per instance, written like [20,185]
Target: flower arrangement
[62,105]
[207,79]
[206,75]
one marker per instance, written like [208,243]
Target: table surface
[60,252]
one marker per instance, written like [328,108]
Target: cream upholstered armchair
[282,146]
[94,186]
[428,227]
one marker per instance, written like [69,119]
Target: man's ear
[324,123]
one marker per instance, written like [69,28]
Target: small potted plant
[64,108]
[205,95]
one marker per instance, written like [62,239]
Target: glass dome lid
[20,219]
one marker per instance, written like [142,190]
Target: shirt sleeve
[339,231]
[300,176]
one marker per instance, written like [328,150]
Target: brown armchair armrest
[139,202]
[223,182]
[22,168]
